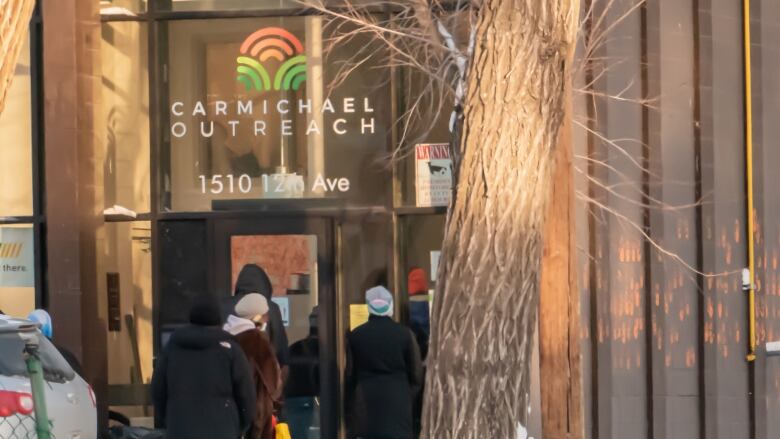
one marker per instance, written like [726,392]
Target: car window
[55,368]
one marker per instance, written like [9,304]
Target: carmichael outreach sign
[258,53]
[346,108]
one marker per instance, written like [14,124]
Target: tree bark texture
[485,306]
[14,22]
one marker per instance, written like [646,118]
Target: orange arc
[272,44]
[271,53]
[271,31]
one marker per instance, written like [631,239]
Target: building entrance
[295,256]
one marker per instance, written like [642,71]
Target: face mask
[263,327]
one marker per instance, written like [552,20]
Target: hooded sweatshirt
[236,325]
[253,279]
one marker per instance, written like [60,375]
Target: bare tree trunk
[485,305]
[14,21]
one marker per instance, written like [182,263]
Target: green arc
[249,83]
[250,69]
[287,72]
[296,83]
[294,73]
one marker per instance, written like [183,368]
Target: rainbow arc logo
[271,43]
[10,250]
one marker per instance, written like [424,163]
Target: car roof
[11,324]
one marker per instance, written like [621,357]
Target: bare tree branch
[656,245]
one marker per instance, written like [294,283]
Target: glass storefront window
[127,304]
[121,7]
[364,263]
[227,5]
[16,181]
[126,110]
[365,259]
[422,239]
[257,110]
[17,270]
[419,172]
[209,5]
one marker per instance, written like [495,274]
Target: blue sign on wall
[284,307]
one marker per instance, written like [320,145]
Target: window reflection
[122,7]
[17,270]
[432,128]
[423,236]
[125,95]
[253,115]
[129,256]
[16,125]
[208,5]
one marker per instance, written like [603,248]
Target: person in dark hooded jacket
[202,385]
[253,279]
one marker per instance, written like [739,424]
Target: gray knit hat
[379,301]
[251,305]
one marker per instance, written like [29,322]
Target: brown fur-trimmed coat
[268,380]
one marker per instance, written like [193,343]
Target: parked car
[70,401]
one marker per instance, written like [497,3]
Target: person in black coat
[253,279]
[384,373]
[202,385]
[301,409]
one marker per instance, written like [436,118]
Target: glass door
[293,258]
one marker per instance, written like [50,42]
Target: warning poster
[433,174]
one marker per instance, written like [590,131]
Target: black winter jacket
[202,386]
[384,373]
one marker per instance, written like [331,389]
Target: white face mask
[263,327]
